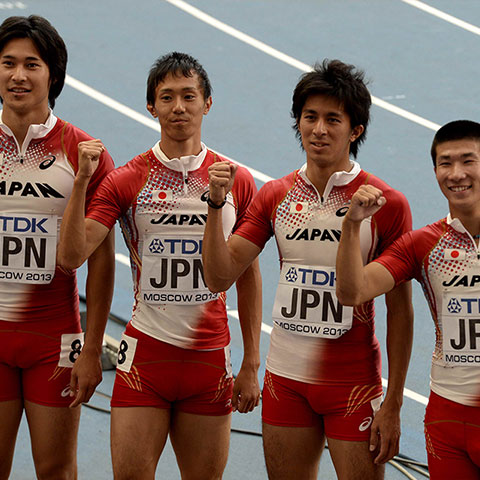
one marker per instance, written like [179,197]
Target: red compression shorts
[29,361]
[452,435]
[156,374]
[347,412]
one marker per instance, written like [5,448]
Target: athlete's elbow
[216,284]
[69,261]
[348,296]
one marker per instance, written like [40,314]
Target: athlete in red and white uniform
[40,333]
[315,339]
[162,207]
[444,258]
[173,373]
[323,367]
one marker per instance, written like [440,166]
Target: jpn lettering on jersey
[461,327]
[306,303]
[172,271]
[27,247]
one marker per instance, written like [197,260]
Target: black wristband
[214,205]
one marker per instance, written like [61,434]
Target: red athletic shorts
[152,373]
[36,360]
[347,412]
[452,435]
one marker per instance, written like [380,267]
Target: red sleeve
[406,257]
[258,224]
[117,191]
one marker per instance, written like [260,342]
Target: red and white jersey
[444,258]
[36,180]
[315,339]
[162,208]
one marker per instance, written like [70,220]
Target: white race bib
[172,271]
[70,349]
[126,353]
[461,328]
[28,244]
[306,303]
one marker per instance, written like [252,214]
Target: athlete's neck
[320,174]
[19,122]
[176,149]
[470,220]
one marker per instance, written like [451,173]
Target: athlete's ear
[208,105]
[152,111]
[356,132]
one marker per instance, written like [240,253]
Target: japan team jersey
[162,208]
[444,258]
[315,339]
[36,180]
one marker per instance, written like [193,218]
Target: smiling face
[327,133]
[180,107]
[24,80]
[458,175]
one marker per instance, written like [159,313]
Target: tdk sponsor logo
[454,306]
[170,219]
[177,246]
[22,224]
[310,276]
[466,306]
[156,246]
[327,235]
[291,275]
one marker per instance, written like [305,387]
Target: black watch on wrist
[214,205]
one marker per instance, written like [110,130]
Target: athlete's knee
[56,469]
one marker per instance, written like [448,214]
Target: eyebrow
[328,114]
[463,155]
[14,57]
[186,89]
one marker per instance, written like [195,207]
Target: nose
[179,105]
[457,171]
[320,128]
[19,73]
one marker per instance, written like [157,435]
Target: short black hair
[47,41]
[456,130]
[176,63]
[341,81]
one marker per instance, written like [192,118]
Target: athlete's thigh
[10,415]
[293,452]
[138,436]
[201,444]
[53,432]
[353,460]
[447,439]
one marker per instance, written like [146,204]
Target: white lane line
[263,47]
[406,391]
[444,16]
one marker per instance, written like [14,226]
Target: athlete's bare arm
[357,283]
[246,389]
[87,369]
[385,431]
[223,262]
[79,238]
